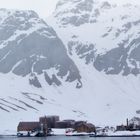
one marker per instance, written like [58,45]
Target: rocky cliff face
[28,46]
[104,33]
[120,60]
[74,12]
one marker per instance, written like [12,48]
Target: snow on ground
[103,100]
[124,133]
[58,131]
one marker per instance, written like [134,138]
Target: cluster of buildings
[131,125]
[44,126]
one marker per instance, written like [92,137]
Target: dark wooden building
[70,123]
[84,127]
[121,128]
[49,120]
[32,128]
[69,120]
[79,122]
[28,126]
[65,124]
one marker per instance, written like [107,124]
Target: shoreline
[61,132]
[116,136]
[97,136]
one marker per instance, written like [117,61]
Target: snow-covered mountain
[29,46]
[29,50]
[102,38]
[102,32]
[86,67]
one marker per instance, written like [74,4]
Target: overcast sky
[42,7]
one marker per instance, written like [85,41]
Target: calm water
[67,138]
